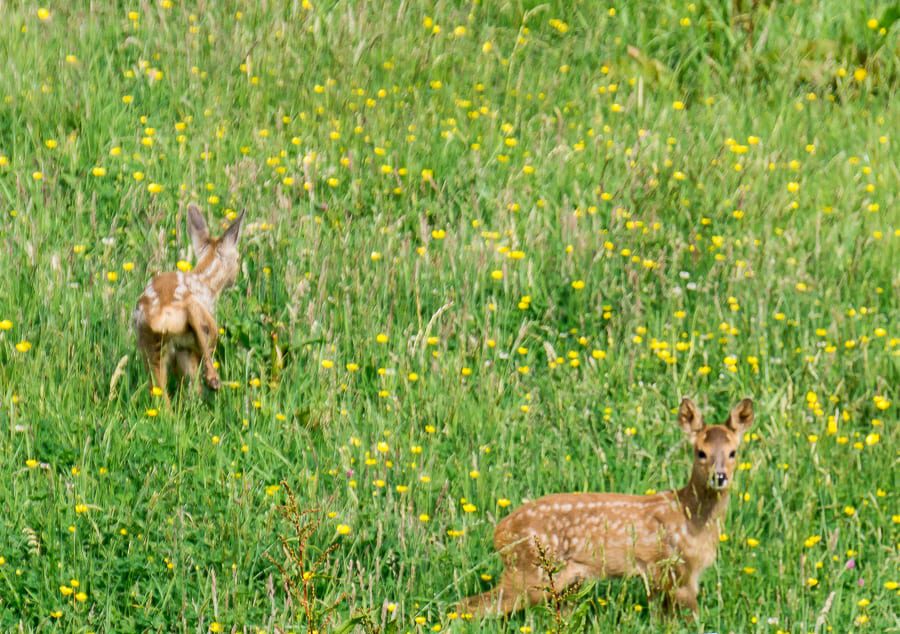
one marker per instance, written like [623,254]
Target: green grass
[687,262]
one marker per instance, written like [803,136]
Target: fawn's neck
[702,505]
[210,273]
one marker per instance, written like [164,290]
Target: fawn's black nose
[721,479]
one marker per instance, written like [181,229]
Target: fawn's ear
[197,228]
[741,417]
[689,418]
[233,233]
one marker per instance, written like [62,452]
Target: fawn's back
[605,534]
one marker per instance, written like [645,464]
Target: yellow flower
[812,582]
[81,508]
[860,74]
[752,543]
[184,266]
[678,105]
[343,529]
[99,171]
[154,188]
[112,276]
[578,285]
[503,503]
[216,627]
[6,324]
[43,14]
[23,346]
[327,364]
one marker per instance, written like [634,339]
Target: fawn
[668,539]
[174,318]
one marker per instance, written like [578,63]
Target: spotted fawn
[174,317]
[668,539]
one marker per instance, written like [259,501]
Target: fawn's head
[219,256]
[715,446]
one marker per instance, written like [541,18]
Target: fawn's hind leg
[188,362]
[512,593]
[206,332]
[154,351]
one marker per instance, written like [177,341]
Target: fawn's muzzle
[719,480]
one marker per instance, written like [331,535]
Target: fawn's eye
[701,454]
[731,455]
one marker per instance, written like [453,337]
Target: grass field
[488,248]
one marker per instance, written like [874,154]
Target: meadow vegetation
[488,248]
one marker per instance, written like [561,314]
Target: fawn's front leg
[684,596]
[206,332]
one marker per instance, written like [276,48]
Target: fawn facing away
[668,538]
[174,317]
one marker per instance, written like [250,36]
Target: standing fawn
[668,539]
[174,319]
